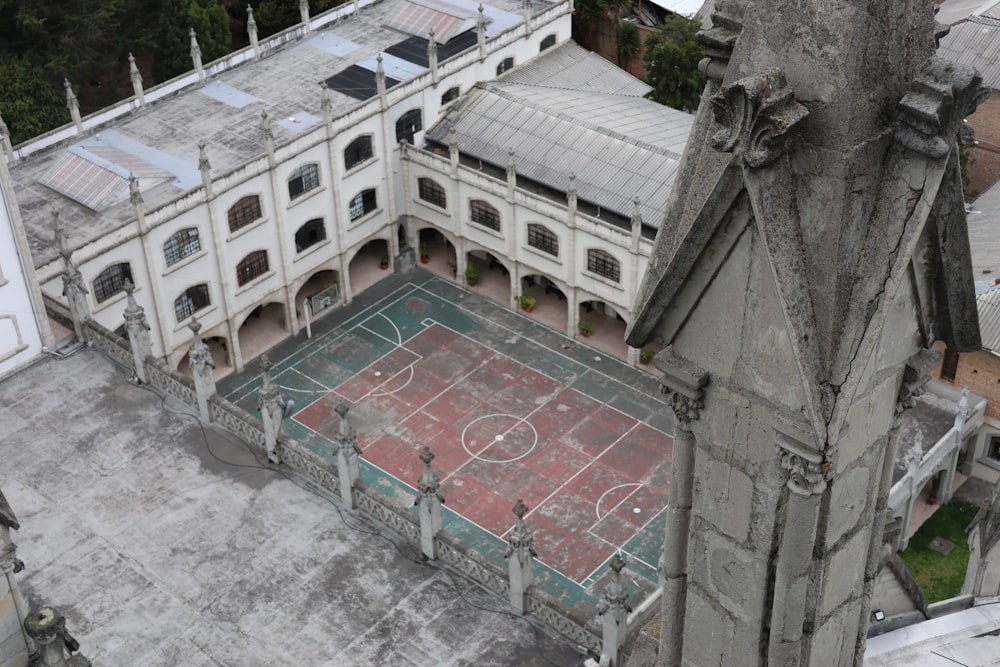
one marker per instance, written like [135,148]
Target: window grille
[408,125]
[482,213]
[111,280]
[542,239]
[358,151]
[450,95]
[431,192]
[310,234]
[302,180]
[362,204]
[505,65]
[191,301]
[252,266]
[604,264]
[244,212]
[548,42]
[182,244]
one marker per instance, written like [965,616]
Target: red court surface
[593,476]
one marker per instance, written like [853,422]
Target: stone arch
[369,264]
[322,289]
[437,246]
[551,305]
[494,274]
[261,327]
[606,325]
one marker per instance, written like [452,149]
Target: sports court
[511,410]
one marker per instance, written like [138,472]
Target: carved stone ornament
[756,114]
[616,590]
[687,410]
[808,468]
[521,540]
[719,40]
[933,111]
[429,485]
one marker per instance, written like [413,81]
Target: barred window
[244,212]
[604,264]
[111,280]
[358,151]
[548,42]
[542,239]
[408,125]
[252,266]
[482,213]
[993,450]
[191,301]
[182,244]
[431,192]
[363,203]
[450,95]
[310,234]
[302,180]
[507,64]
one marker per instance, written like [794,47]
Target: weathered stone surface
[721,492]
[848,499]
[844,572]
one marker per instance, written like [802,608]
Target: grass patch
[941,577]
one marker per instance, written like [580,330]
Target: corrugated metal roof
[445,21]
[988,305]
[556,132]
[571,67]
[975,42]
[90,184]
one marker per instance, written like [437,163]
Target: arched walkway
[369,265]
[318,296]
[262,329]
[493,281]
[550,301]
[438,251]
[221,355]
[606,328]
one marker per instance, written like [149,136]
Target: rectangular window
[949,365]
[993,449]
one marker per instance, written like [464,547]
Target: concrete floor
[168,543]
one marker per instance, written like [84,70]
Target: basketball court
[511,410]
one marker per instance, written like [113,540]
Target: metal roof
[619,147]
[446,22]
[571,67]
[988,305]
[975,42]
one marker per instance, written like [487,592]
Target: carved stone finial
[195,48]
[801,455]
[134,194]
[519,509]
[571,186]
[128,286]
[70,95]
[520,541]
[757,115]
[203,163]
[265,363]
[636,212]
[429,485]
[933,111]
[427,456]
[195,326]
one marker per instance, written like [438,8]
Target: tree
[628,44]
[672,56]
[173,53]
[275,15]
[31,104]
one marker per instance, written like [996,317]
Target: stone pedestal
[137,328]
[614,609]
[520,557]
[429,500]
[202,368]
[347,450]
[272,411]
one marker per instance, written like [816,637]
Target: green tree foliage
[177,17]
[628,44]
[275,15]
[30,105]
[672,56]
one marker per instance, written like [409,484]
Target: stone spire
[73,105]
[526,12]
[272,410]
[326,104]
[380,79]
[613,609]
[265,129]
[74,288]
[196,55]
[136,77]
[636,223]
[252,32]
[481,33]
[511,174]
[137,327]
[429,499]
[347,450]
[432,57]
[304,14]
[202,368]
[10,565]
[520,556]
[453,154]
[824,178]
[205,167]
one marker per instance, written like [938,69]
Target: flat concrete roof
[168,543]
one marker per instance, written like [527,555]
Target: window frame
[173,246]
[484,214]
[451,95]
[310,226]
[431,192]
[543,239]
[505,65]
[307,177]
[406,128]
[106,284]
[238,215]
[602,263]
[368,200]
[192,305]
[252,267]
[547,42]
[362,154]
[949,365]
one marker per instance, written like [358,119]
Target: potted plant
[384,264]
[585,327]
[471,274]
[424,257]
[526,301]
[646,355]
[453,266]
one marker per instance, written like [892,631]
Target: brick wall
[980,372]
[985,170]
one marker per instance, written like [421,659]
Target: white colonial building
[251,184]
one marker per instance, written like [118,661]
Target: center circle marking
[503,426]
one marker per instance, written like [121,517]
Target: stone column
[268,134]
[481,34]
[137,328]
[304,14]
[432,58]
[520,545]
[272,411]
[453,154]
[74,289]
[429,499]
[252,32]
[47,626]
[73,105]
[511,175]
[205,167]
[346,448]
[202,367]
[196,55]
[686,385]
[613,610]
[10,565]
[380,82]
[807,477]
[526,12]
[136,77]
